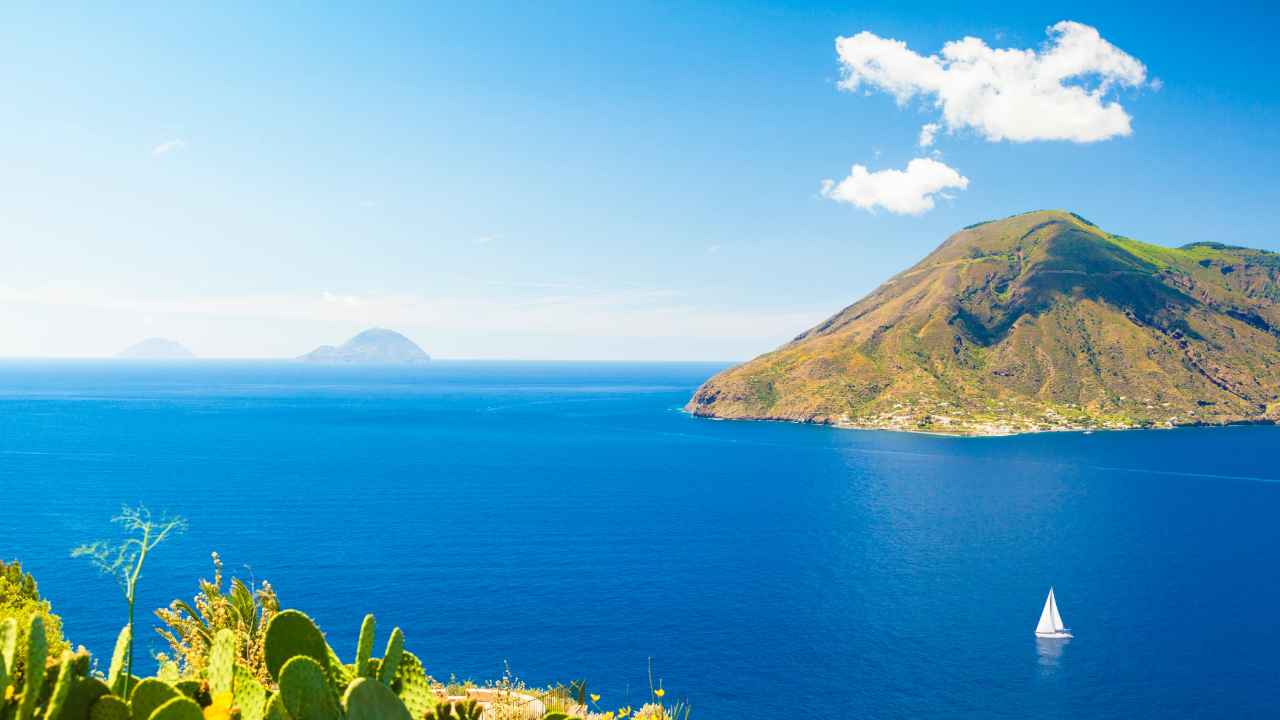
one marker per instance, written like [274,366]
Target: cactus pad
[8,649]
[148,695]
[37,651]
[391,660]
[250,696]
[222,661]
[364,648]
[179,708]
[275,709]
[81,696]
[109,707]
[116,678]
[305,690]
[367,699]
[460,710]
[292,634]
[340,675]
[62,687]
[412,685]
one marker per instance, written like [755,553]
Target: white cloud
[927,134]
[902,192]
[1059,92]
[169,146]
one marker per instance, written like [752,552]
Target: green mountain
[1039,321]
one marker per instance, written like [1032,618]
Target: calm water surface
[569,519]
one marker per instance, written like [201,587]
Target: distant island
[156,348]
[1041,321]
[373,346]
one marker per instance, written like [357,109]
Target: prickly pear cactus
[116,678]
[37,650]
[8,649]
[179,708]
[275,709]
[109,707]
[340,675]
[460,710]
[391,659]
[367,699]
[305,690]
[222,662]
[292,634]
[250,696]
[413,687]
[61,687]
[81,695]
[364,648]
[148,695]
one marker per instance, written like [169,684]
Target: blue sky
[554,181]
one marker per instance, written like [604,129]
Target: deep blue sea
[570,520]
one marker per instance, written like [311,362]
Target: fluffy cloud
[1057,93]
[903,192]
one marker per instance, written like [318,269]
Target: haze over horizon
[571,181]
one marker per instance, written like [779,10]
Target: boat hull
[1054,635]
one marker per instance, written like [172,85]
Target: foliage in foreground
[20,601]
[307,681]
[124,561]
[240,657]
[190,628]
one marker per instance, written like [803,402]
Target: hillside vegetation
[1039,321]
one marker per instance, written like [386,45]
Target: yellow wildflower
[624,711]
[595,698]
[659,692]
[8,693]
[220,708]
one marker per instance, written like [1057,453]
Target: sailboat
[1050,625]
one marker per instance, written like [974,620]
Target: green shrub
[245,611]
[20,599]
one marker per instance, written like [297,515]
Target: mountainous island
[376,346]
[1040,321]
[156,348]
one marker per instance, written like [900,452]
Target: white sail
[1045,626]
[1057,617]
[1050,625]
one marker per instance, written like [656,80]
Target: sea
[568,520]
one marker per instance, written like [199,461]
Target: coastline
[983,430]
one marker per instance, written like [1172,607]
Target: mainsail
[1050,619]
[1057,618]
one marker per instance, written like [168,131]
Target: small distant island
[376,346]
[156,348]
[1040,321]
